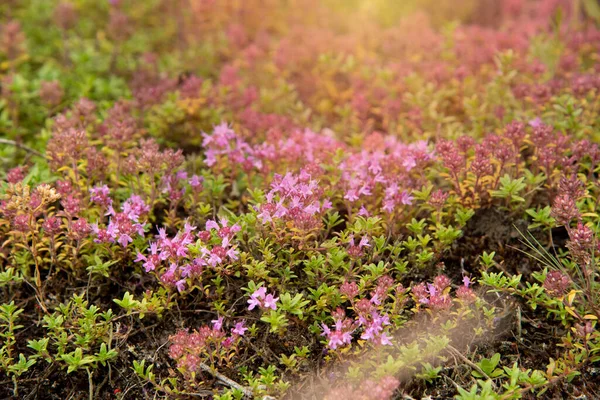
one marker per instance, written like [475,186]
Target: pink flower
[124,240]
[180,284]
[384,340]
[263,300]
[536,122]
[134,207]
[217,323]
[270,301]
[239,328]
[364,242]
[556,283]
[466,281]
[342,334]
[210,224]
[363,212]
[196,181]
[256,298]
[101,195]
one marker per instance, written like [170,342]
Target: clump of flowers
[465,292]
[261,299]
[342,332]
[436,295]
[191,349]
[122,226]
[348,163]
[294,198]
[214,248]
[370,315]
[225,145]
[557,283]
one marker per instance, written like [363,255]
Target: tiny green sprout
[99,267]
[76,360]
[332,220]
[487,391]
[40,347]
[488,368]
[379,242]
[411,244]
[267,375]
[428,372]
[105,354]
[424,240]
[371,225]
[10,276]
[498,281]
[424,257]
[128,302]
[277,321]
[424,193]
[290,362]
[302,352]
[416,226]
[22,365]
[446,235]
[487,259]
[541,218]
[376,270]
[142,371]
[463,215]
[510,189]
[294,305]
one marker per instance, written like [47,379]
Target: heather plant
[296,200]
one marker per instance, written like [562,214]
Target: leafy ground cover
[299,199]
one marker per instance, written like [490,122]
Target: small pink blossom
[263,300]
[217,323]
[239,328]
[270,301]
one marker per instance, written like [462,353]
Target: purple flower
[181,175]
[432,290]
[262,299]
[253,302]
[101,195]
[134,207]
[124,240]
[217,323]
[270,302]
[363,212]
[239,328]
[256,298]
[536,122]
[180,284]
[466,281]
[195,181]
[210,224]
[384,340]
[340,336]
[364,242]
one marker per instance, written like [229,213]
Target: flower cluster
[370,316]
[557,283]
[435,295]
[296,198]
[342,333]
[224,144]
[189,350]
[263,300]
[122,226]
[214,248]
